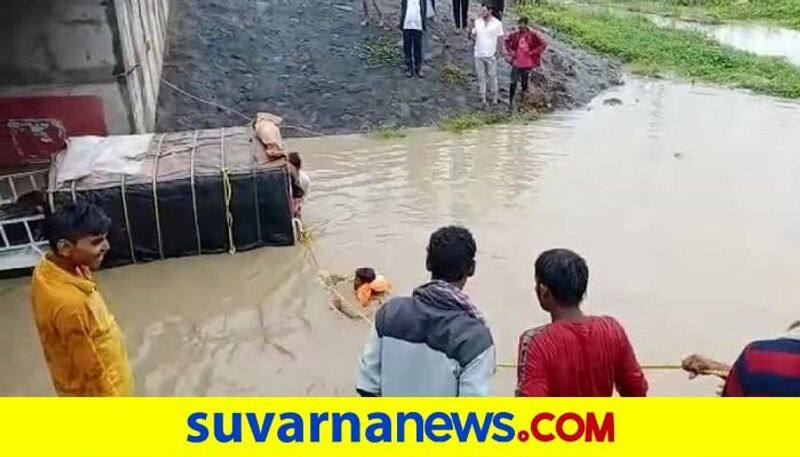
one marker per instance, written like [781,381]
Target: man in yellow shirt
[83,345]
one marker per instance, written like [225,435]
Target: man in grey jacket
[436,342]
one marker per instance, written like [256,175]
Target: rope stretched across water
[644,367]
[304,240]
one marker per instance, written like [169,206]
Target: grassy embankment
[655,51]
[785,13]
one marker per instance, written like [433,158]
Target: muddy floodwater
[683,199]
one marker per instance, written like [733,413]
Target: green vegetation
[462,122]
[382,51]
[451,73]
[388,132]
[781,12]
[654,50]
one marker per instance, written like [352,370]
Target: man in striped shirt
[765,368]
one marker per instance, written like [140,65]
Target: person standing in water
[82,343]
[486,30]
[435,343]
[523,49]
[576,355]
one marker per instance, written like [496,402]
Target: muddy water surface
[755,38]
[683,199]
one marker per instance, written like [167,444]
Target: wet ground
[307,61]
[687,214]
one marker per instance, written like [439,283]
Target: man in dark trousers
[413,14]
[460,11]
[523,50]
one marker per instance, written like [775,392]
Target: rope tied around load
[227,192]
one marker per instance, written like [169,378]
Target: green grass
[654,50]
[781,12]
[453,74]
[388,132]
[382,51]
[463,122]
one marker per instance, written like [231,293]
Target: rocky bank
[313,63]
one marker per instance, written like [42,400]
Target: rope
[256,201]
[303,129]
[194,193]
[226,186]
[644,367]
[332,290]
[207,102]
[72,191]
[127,219]
[326,284]
[155,196]
[232,110]
[226,191]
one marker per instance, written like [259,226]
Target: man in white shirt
[413,14]
[486,30]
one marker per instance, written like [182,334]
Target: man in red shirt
[523,50]
[576,355]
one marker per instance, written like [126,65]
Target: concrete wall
[52,42]
[111,49]
[142,26]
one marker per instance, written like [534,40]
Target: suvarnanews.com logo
[400,427]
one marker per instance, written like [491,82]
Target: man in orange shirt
[83,345]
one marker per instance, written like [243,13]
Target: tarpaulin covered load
[179,194]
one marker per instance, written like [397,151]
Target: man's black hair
[451,253]
[294,159]
[75,221]
[365,274]
[563,272]
[523,20]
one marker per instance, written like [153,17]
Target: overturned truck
[179,194]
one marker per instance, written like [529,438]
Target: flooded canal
[683,199]
[755,38]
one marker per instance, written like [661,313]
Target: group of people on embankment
[435,342]
[522,49]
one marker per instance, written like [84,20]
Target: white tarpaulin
[110,154]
